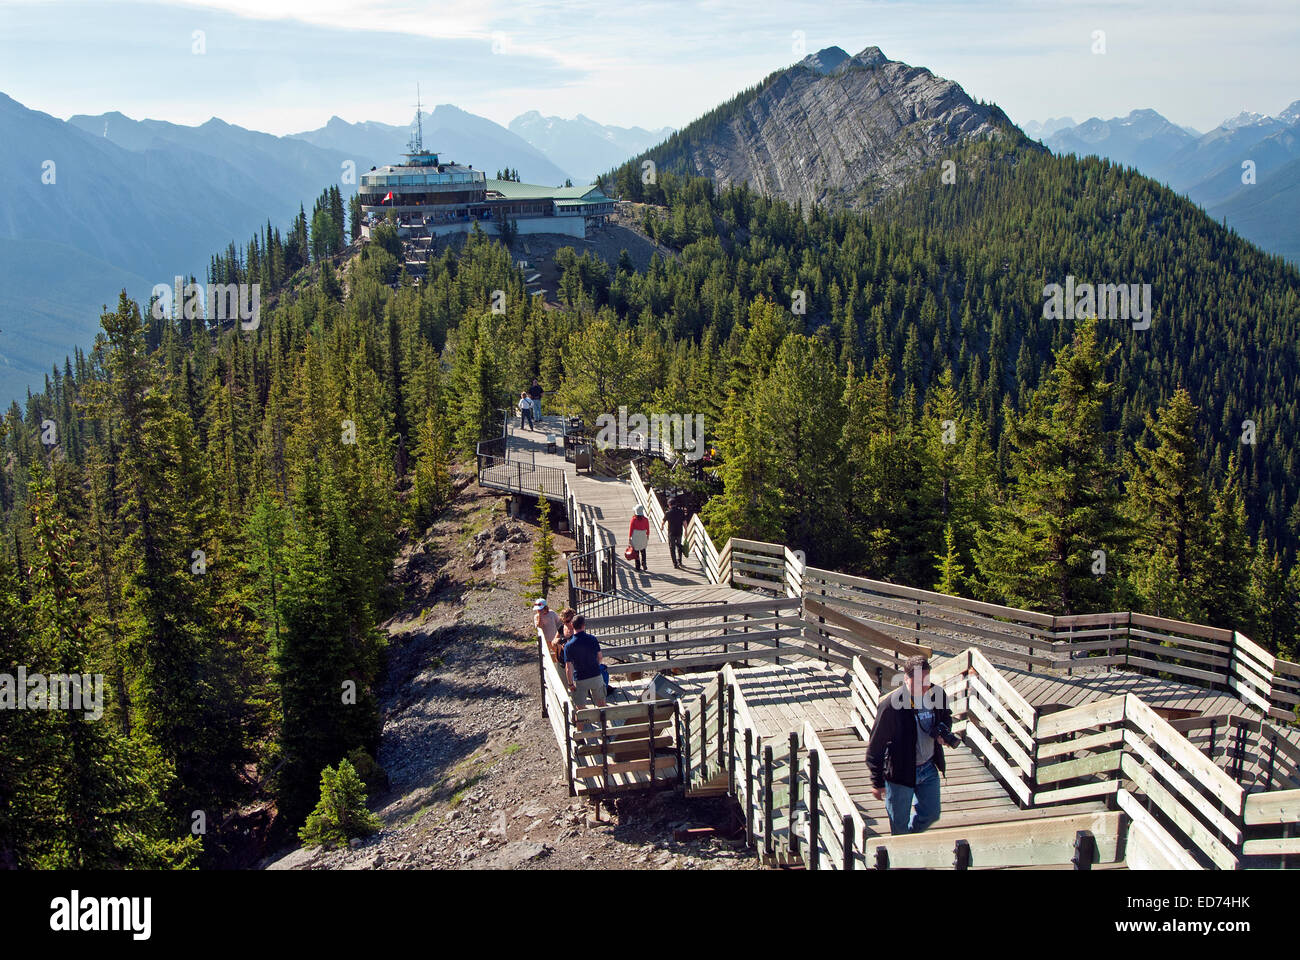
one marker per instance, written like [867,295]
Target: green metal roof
[531,191]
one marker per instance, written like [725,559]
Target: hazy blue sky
[288,65]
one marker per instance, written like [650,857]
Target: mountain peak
[878,126]
[871,57]
[1244,119]
[824,61]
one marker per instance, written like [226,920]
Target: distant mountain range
[582,146]
[832,129]
[1207,168]
[133,203]
[449,131]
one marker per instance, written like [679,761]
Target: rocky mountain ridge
[832,129]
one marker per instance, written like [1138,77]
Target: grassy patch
[513,748]
[469,784]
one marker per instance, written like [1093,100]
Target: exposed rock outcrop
[833,129]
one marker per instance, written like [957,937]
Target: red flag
[387,198]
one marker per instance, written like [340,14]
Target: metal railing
[520,476]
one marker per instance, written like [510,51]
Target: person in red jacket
[638,534]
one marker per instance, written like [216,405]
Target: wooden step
[1016,843]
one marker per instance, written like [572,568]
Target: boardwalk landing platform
[1103,741]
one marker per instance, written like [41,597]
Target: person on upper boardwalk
[638,535]
[675,523]
[549,623]
[525,406]
[582,662]
[905,752]
[535,394]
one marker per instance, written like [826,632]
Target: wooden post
[1085,850]
[704,738]
[1213,727]
[1241,751]
[767,801]
[814,808]
[650,739]
[794,791]
[541,671]
[848,842]
[721,720]
[1272,757]
[568,751]
[685,747]
[749,787]
[604,751]
[961,855]
[731,740]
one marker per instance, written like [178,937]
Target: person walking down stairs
[638,535]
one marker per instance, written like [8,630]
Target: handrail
[837,833]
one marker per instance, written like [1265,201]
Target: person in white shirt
[525,410]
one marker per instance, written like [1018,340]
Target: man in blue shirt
[582,660]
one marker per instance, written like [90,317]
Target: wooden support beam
[767,802]
[814,807]
[793,791]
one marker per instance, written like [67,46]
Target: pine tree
[952,575]
[341,812]
[1169,509]
[1271,601]
[431,490]
[1222,573]
[543,575]
[1054,543]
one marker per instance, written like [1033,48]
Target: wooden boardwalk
[612,501]
[1069,741]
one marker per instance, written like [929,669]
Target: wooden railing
[613,748]
[1256,753]
[839,633]
[726,753]
[1272,824]
[700,637]
[864,698]
[698,543]
[836,830]
[649,499]
[998,723]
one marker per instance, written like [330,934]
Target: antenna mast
[418,143]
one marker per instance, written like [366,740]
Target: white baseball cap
[539,604]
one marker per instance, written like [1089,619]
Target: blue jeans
[898,801]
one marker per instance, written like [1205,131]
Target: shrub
[341,813]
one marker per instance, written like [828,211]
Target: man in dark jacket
[905,753]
